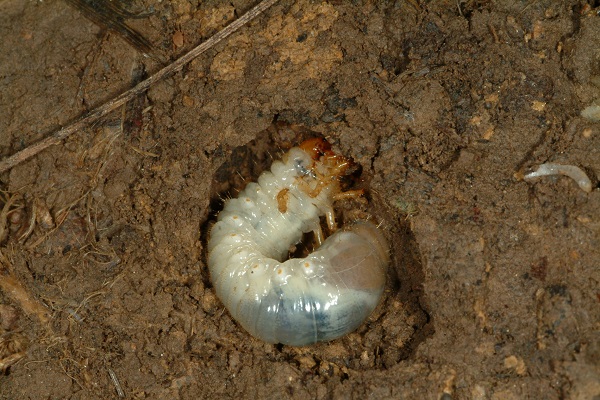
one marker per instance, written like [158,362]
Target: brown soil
[494,292]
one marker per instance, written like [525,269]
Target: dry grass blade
[109,15]
[111,105]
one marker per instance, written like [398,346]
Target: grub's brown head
[326,160]
[316,148]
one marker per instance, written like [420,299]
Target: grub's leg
[330,217]
[350,194]
[319,237]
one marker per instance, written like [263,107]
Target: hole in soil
[400,322]
[405,318]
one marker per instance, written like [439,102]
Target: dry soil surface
[494,288]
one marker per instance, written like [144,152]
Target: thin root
[6,362]
[4,216]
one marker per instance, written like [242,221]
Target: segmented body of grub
[297,301]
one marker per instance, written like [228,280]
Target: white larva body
[298,301]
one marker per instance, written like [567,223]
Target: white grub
[573,172]
[297,301]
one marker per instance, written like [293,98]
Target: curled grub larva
[573,172]
[296,301]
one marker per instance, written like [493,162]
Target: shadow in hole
[408,268]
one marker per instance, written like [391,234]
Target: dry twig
[12,288]
[141,87]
